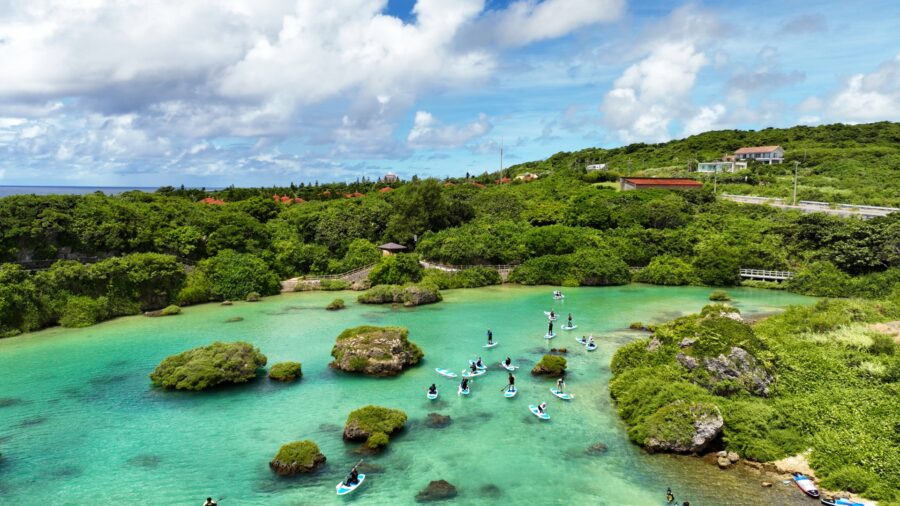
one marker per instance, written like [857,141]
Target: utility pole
[796,164]
[501,157]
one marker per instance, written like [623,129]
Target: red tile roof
[756,149]
[212,201]
[662,181]
[299,200]
[386,189]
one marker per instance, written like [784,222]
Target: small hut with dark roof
[391,248]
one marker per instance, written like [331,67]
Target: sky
[267,92]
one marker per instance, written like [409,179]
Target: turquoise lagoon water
[80,423]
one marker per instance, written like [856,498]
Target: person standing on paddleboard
[560,384]
[512,382]
[464,384]
[570,319]
[490,336]
[550,328]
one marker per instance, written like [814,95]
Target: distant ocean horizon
[7,190]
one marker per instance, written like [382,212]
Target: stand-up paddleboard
[559,297]
[591,346]
[549,336]
[479,367]
[509,393]
[470,374]
[535,412]
[445,373]
[509,367]
[551,318]
[431,396]
[566,327]
[464,392]
[346,489]
[562,395]
[490,345]
[581,341]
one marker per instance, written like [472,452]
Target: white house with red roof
[762,154]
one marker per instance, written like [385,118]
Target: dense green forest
[76,260]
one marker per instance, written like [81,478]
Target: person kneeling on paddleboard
[352,478]
[473,367]
[541,407]
[432,389]
[508,361]
[464,384]
[560,384]
[479,363]
[210,502]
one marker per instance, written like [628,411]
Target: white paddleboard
[581,341]
[510,393]
[566,327]
[490,345]
[535,412]
[464,392]
[431,396]
[346,489]
[470,374]
[549,336]
[562,395]
[445,373]
[591,347]
[509,367]
[479,367]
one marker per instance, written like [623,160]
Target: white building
[390,177]
[762,154]
[710,167]
[595,166]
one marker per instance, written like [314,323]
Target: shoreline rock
[297,457]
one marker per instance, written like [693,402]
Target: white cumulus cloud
[428,131]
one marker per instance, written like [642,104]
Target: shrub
[209,366]
[717,263]
[550,365]
[636,326]
[335,305]
[333,285]
[170,310]
[719,296]
[821,279]
[882,345]
[396,270]
[253,297]
[286,371]
[232,276]
[82,311]
[297,457]
[468,278]
[375,423]
[667,270]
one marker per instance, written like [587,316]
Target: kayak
[464,392]
[445,373]
[470,374]
[806,485]
[490,345]
[566,327]
[562,395]
[535,412]
[509,393]
[479,367]
[346,489]
[549,336]
[509,367]
[840,502]
[431,396]
[591,346]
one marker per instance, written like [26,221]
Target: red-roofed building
[285,199]
[503,180]
[762,154]
[298,200]
[276,198]
[671,183]
[213,202]
[386,189]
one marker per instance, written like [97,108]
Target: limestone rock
[767,484]
[376,351]
[686,342]
[683,427]
[597,449]
[653,344]
[438,490]
[437,420]
[723,462]
[688,362]
[739,366]
[733,457]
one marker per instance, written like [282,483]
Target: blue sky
[260,92]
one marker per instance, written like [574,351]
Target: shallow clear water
[80,423]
